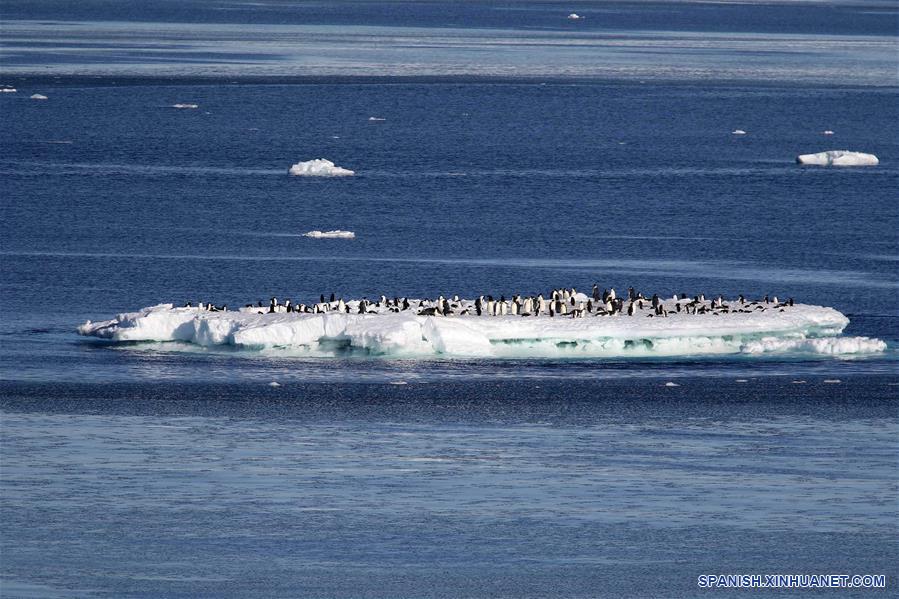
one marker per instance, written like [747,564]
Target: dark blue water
[531,156]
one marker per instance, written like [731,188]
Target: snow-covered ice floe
[339,327]
[319,168]
[335,234]
[574,16]
[7,89]
[38,97]
[838,158]
[738,132]
[183,105]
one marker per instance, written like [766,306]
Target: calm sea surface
[518,151]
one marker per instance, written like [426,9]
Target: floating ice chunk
[274,384]
[6,89]
[738,132]
[833,381]
[319,168]
[802,329]
[838,158]
[335,234]
[574,16]
[38,97]
[376,119]
[742,381]
[183,105]
[670,384]
[827,132]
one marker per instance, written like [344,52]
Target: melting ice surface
[803,329]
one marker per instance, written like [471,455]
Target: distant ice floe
[827,132]
[801,329]
[574,17]
[838,158]
[38,97]
[185,105]
[335,234]
[738,132]
[319,168]
[7,89]
[376,119]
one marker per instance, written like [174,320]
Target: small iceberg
[827,132]
[319,168]
[574,17]
[335,234]
[7,90]
[38,97]
[738,132]
[838,158]
[376,119]
[185,105]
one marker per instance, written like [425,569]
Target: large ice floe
[319,168]
[838,158]
[573,326]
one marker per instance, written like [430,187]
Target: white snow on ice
[335,234]
[574,16]
[38,97]
[838,158]
[801,328]
[738,132]
[7,90]
[319,168]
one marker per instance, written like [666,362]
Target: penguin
[655,301]
[595,294]
[630,309]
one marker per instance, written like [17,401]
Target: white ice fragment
[742,380]
[376,119]
[799,329]
[670,384]
[6,89]
[185,105]
[833,381]
[319,168]
[798,382]
[335,234]
[827,132]
[274,384]
[838,158]
[38,97]
[574,16]
[738,132]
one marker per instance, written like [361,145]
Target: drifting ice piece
[335,234]
[838,158]
[185,105]
[574,16]
[803,329]
[319,168]
[38,97]
[738,132]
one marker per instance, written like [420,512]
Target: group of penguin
[562,302]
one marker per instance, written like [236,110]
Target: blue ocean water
[516,154]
